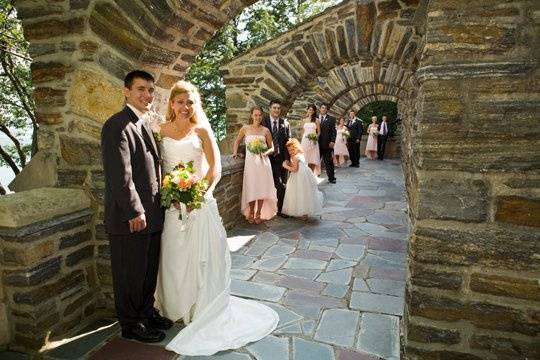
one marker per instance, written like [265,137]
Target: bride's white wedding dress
[194,275]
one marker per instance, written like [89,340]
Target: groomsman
[355,127]
[327,139]
[280,130]
[383,136]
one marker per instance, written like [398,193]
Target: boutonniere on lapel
[154,121]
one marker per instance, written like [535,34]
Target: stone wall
[473,183]
[48,269]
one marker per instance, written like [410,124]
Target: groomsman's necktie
[274,136]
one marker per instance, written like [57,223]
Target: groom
[327,139]
[133,213]
[279,128]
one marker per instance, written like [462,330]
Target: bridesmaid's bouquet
[346,135]
[181,185]
[256,146]
[312,137]
[374,132]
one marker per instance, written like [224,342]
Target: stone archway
[319,61]
[469,106]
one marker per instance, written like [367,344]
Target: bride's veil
[202,120]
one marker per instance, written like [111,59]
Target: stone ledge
[29,207]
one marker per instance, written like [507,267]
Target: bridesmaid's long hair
[314,115]
[179,88]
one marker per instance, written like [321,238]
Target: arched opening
[469,103]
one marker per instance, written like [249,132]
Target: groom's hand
[331,145]
[137,224]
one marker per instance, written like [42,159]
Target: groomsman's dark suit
[327,136]
[280,136]
[355,129]
[132,182]
[381,139]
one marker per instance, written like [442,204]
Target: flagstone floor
[336,282]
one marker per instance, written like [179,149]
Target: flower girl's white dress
[302,196]
[194,274]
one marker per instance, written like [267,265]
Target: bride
[194,274]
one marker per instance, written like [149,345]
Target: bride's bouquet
[312,137]
[374,132]
[256,146]
[181,185]
[346,135]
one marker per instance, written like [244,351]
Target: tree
[17,113]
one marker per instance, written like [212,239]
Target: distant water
[6,176]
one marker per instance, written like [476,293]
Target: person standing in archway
[355,127]
[327,139]
[280,130]
[383,136]
[371,145]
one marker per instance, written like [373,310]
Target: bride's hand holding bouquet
[183,186]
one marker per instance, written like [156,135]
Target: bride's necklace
[179,131]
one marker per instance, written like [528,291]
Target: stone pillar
[48,268]
[473,185]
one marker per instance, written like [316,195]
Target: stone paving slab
[341,277]
[379,335]
[256,291]
[377,303]
[309,350]
[270,348]
[338,327]
[120,349]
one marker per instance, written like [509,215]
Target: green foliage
[256,24]
[16,103]
[378,109]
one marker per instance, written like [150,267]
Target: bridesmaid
[341,154]
[259,199]
[371,146]
[311,148]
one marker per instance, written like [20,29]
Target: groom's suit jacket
[283,135]
[132,174]
[328,132]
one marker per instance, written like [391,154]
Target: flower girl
[302,197]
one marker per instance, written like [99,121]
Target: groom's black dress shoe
[333,181]
[159,322]
[283,215]
[142,333]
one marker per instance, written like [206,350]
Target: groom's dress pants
[327,155]
[280,175]
[135,263]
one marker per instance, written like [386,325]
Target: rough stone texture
[327,59]
[471,178]
[41,253]
[28,207]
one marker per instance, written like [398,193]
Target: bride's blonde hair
[179,88]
